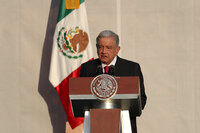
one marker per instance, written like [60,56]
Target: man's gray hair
[107,33]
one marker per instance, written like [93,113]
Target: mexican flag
[71,48]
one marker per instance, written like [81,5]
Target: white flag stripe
[62,66]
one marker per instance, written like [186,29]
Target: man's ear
[117,49]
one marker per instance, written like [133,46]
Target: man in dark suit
[107,44]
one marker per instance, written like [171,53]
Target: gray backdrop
[162,35]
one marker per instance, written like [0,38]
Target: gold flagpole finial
[72,4]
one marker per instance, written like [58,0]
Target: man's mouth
[103,56]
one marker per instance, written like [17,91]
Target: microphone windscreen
[111,70]
[99,70]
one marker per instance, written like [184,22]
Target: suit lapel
[117,66]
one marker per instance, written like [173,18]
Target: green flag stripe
[64,12]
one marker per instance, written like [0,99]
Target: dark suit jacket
[122,68]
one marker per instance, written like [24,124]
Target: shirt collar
[112,63]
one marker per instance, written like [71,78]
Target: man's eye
[109,47]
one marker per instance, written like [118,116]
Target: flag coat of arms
[71,48]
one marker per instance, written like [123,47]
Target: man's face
[107,50]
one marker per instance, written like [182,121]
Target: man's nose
[103,50]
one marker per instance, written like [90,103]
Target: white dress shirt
[111,63]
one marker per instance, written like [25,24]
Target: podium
[104,115]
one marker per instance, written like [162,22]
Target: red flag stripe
[63,92]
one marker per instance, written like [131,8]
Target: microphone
[99,70]
[111,70]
